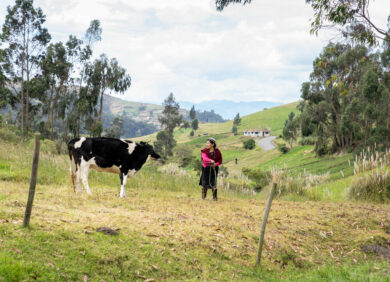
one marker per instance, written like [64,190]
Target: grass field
[167,233]
[271,118]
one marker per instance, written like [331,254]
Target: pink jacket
[207,157]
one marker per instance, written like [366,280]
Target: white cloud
[261,51]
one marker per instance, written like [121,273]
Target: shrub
[61,147]
[8,135]
[249,144]
[307,141]
[259,178]
[183,154]
[192,133]
[323,150]
[283,148]
[223,171]
[1,120]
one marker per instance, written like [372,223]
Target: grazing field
[167,232]
[272,118]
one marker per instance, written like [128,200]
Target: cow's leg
[78,177]
[123,177]
[84,175]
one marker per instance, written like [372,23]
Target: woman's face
[209,145]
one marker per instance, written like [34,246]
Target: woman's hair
[212,141]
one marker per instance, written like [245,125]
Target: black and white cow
[118,156]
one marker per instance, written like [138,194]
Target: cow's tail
[72,174]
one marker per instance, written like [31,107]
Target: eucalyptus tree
[347,99]
[83,102]
[351,18]
[110,76]
[26,39]
[56,69]
[6,97]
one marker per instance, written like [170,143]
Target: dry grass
[180,227]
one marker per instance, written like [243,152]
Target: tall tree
[85,101]
[26,39]
[6,97]
[350,17]
[195,124]
[192,113]
[236,123]
[169,119]
[112,77]
[290,129]
[56,70]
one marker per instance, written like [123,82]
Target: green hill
[272,118]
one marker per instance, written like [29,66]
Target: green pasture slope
[272,118]
[166,232]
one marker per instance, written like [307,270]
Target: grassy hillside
[167,233]
[271,118]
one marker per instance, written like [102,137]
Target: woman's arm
[205,158]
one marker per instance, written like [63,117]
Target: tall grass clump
[301,185]
[372,177]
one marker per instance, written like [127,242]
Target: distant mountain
[146,112]
[228,109]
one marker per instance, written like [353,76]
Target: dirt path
[266,143]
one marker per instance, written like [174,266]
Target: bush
[249,144]
[192,133]
[61,147]
[8,135]
[223,171]
[259,178]
[307,141]
[283,148]
[1,121]
[183,154]
[323,150]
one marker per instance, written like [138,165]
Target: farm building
[257,133]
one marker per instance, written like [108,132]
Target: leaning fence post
[265,217]
[33,181]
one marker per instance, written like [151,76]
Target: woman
[211,159]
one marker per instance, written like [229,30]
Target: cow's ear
[142,143]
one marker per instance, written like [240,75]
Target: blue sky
[262,51]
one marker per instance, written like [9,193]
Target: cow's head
[149,149]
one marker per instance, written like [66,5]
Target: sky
[257,52]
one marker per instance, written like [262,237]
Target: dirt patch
[108,231]
[379,246]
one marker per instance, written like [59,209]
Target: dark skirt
[208,178]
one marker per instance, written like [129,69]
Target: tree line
[346,102]
[55,87]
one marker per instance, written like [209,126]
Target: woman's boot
[204,193]
[215,194]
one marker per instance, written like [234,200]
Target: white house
[257,133]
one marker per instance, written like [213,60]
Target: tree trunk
[55,100]
[51,112]
[27,99]
[22,102]
[101,106]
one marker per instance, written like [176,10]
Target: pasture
[167,233]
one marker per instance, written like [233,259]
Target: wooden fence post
[33,181]
[265,217]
